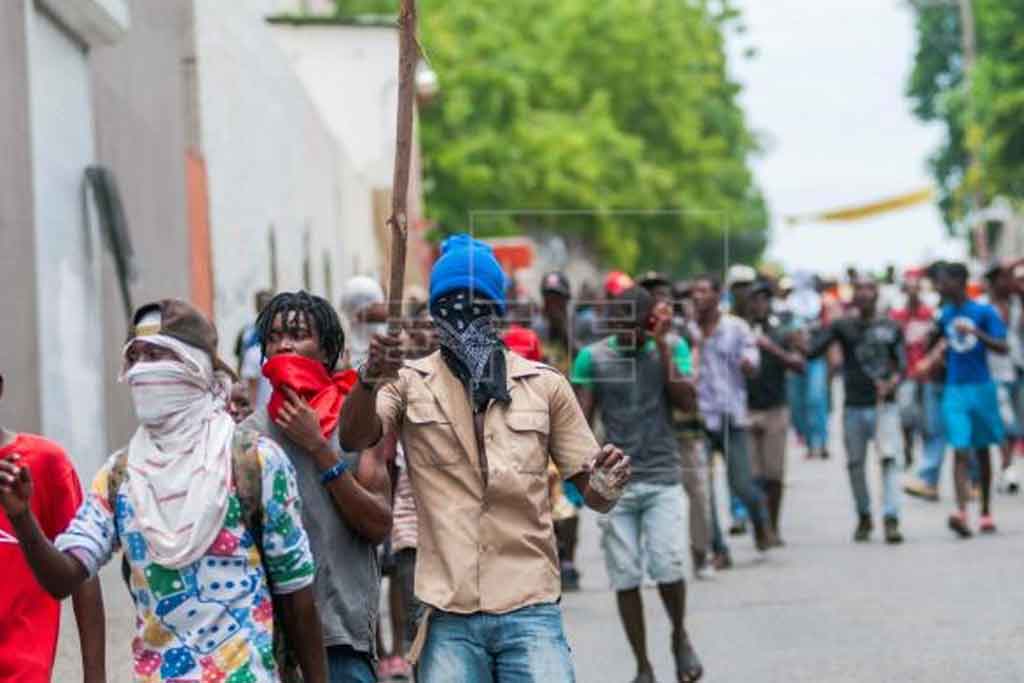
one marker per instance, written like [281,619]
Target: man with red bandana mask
[346,497]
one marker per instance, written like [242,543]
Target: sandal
[688,666]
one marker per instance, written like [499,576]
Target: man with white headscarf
[362,300]
[202,570]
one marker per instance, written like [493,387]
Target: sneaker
[864,528]
[702,568]
[892,531]
[987,525]
[738,528]
[958,525]
[917,488]
[705,572]
[1009,482]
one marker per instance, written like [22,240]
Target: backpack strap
[248,476]
[247,471]
[118,473]
[115,478]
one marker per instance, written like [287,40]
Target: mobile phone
[660,309]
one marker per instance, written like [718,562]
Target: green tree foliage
[989,120]
[606,112]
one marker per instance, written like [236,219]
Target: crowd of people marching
[256,512]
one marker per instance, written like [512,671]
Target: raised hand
[15,486]
[385,358]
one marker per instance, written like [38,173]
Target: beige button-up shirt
[486,547]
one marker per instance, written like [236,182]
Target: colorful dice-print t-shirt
[211,621]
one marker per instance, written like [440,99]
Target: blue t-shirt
[966,356]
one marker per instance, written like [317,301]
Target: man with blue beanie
[480,425]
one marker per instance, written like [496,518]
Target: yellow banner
[856,213]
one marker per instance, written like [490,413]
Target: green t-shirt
[630,391]
[583,368]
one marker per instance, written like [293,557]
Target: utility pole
[972,174]
[970,55]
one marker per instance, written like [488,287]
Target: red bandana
[308,378]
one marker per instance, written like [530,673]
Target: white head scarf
[358,293]
[179,458]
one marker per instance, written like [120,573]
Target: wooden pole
[408,57]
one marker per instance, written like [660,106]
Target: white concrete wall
[351,74]
[68,283]
[271,162]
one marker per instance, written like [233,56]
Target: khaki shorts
[769,430]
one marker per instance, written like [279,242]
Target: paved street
[821,609]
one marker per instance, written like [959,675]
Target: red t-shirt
[916,325]
[29,617]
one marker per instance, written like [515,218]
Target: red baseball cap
[616,283]
[523,341]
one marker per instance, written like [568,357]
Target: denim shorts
[971,415]
[645,529]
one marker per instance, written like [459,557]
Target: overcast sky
[825,92]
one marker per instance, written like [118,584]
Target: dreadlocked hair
[317,313]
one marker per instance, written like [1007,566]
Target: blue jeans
[733,443]
[737,509]
[346,665]
[864,424]
[524,646]
[934,435]
[808,400]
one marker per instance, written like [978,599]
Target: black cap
[653,278]
[762,287]
[555,282]
[993,270]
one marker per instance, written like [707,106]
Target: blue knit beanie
[467,263]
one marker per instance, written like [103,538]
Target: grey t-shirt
[633,403]
[347,584]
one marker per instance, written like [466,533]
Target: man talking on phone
[635,377]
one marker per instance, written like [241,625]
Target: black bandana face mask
[471,346]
